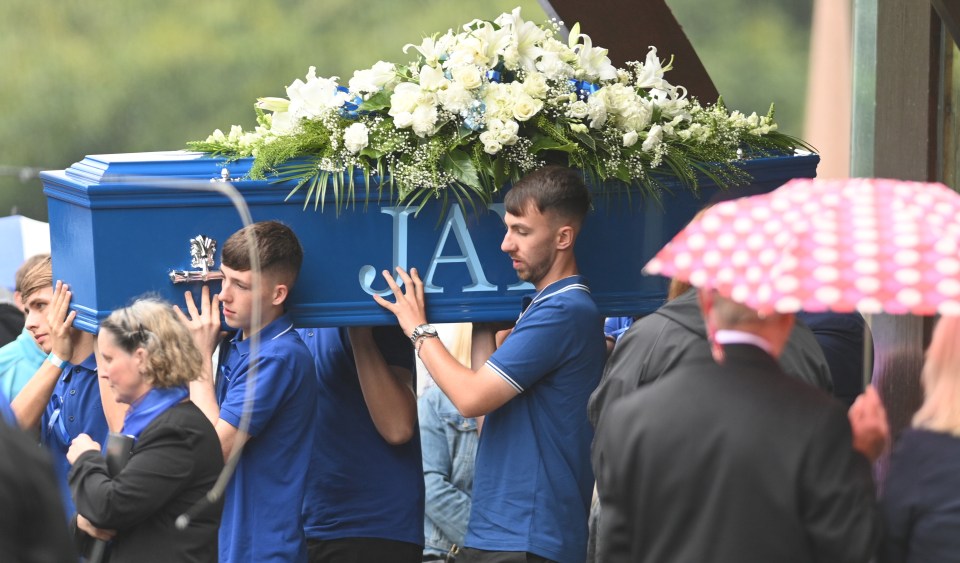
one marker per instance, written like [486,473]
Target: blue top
[614,327]
[921,499]
[261,511]
[533,480]
[19,360]
[74,409]
[359,485]
[449,449]
[6,413]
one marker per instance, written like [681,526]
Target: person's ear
[140,355]
[565,237]
[280,293]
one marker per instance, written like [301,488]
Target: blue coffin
[120,223]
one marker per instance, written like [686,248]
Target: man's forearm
[203,394]
[30,404]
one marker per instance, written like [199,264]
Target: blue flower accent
[583,88]
[350,108]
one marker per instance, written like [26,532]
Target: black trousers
[470,555]
[363,550]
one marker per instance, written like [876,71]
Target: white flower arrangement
[483,106]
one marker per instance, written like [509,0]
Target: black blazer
[733,463]
[173,464]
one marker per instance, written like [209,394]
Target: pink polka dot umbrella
[868,245]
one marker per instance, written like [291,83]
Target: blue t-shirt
[261,512]
[74,409]
[533,481]
[6,413]
[359,485]
[19,360]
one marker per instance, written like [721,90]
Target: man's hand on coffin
[409,307]
[60,320]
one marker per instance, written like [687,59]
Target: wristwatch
[423,331]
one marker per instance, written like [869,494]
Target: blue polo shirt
[74,409]
[359,485]
[533,480]
[261,512]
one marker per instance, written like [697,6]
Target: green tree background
[80,77]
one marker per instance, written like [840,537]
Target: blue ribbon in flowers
[150,406]
[493,75]
[350,108]
[583,88]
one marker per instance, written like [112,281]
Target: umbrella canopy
[20,238]
[877,246]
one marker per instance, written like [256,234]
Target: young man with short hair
[64,397]
[533,483]
[261,516]
[20,359]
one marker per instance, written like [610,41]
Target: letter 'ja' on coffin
[121,223]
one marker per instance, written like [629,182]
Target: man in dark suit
[731,460]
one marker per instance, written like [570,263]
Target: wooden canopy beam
[627,28]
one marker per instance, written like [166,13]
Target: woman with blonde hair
[149,357]
[921,498]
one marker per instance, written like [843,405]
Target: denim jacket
[449,443]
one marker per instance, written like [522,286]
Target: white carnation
[455,98]
[356,137]
[424,120]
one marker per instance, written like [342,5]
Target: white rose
[356,137]
[467,76]
[535,85]
[630,138]
[424,120]
[525,107]
[507,135]
[490,143]
[577,109]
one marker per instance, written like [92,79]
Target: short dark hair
[277,247]
[551,188]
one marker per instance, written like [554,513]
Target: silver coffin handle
[191,276]
[202,250]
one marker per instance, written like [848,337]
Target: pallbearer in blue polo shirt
[261,515]
[365,491]
[65,397]
[533,482]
